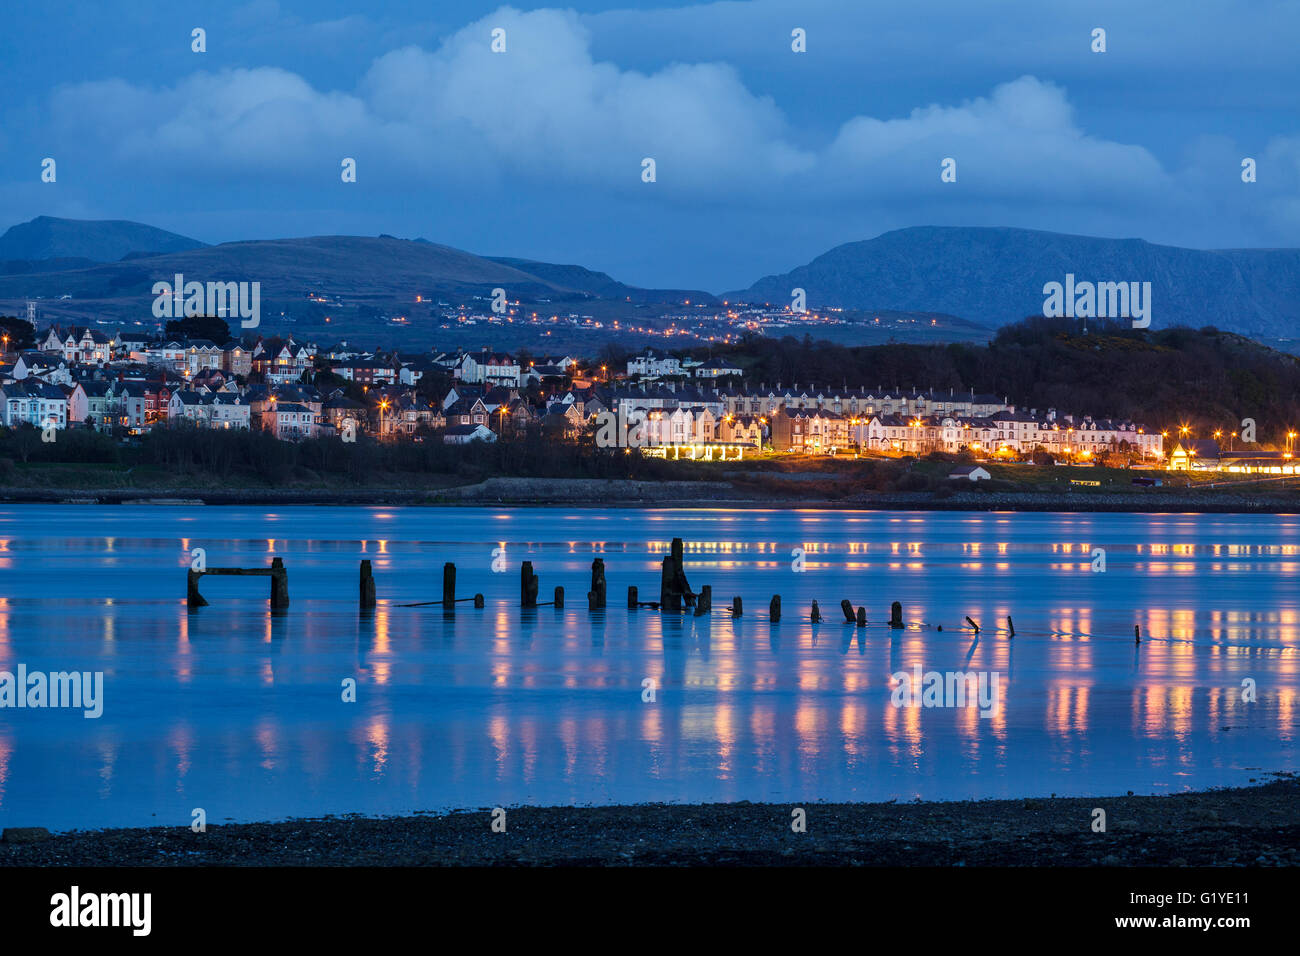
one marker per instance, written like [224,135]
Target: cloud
[547,113]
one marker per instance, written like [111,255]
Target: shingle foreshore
[1250,826]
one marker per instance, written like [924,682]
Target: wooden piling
[847,608]
[367,585]
[631,597]
[1011,627]
[1137,633]
[449,586]
[972,624]
[596,596]
[528,585]
[862,617]
[774,609]
[192,596]
[896,614]
[478,600]
[670,599]
[559,596]
[736,609]
[279,584]
[816,613]
[705,603]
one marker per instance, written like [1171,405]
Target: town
[124,384]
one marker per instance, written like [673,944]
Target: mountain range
[988,276]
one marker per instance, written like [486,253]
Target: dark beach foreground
[1250,826]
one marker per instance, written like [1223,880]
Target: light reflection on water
[239,711]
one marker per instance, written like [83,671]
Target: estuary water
[240,711]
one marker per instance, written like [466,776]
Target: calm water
[237,710]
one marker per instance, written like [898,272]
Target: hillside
[996,275]
[108,240]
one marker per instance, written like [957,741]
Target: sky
[764,157]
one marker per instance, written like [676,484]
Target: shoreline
[1256,825]
[628,493]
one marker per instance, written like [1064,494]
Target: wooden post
[847,608]
[192,596]
[973,624]
[449,586]
[596,596]
[478,600]
[896,615]
[1011,627]
[862,617]
[736,609]
[279,584]
[670,599]
[774,609]
[528,585]
[631,597]
[367,585]
[705,604]
[816,613]
[559,596]
[1137,633]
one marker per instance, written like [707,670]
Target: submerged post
[862,617]
[596,596]
[559,596]
[1011,627]
[736,607]
[279,584]
[896,615]
[528,585]
[816,613]
[367,585]
[705,603]
[847,608]
[192,596]
[774,609]
[1137,633]
[449,586]
[670,599]
[478,600]
[972,624]
[631,597]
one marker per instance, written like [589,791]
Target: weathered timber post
[596,596]
[670,599]
[528,585]
[774,609]
[896,615]
[1011,627]
[192,596]
[367,585]
[736,607]
[449,586]
[631,597]
[973,624]
[478,600]
[847,608]
[559,596]
[862,617]
[705,603]
[1137,633]
[279,584]
[816,613]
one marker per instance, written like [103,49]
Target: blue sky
[765,157]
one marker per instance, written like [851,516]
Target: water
[238,711]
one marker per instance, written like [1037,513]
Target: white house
[970,473]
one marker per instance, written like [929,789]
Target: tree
[210,327]
[21,333]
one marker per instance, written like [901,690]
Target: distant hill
[601,285]
[996,275]
[105,240]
